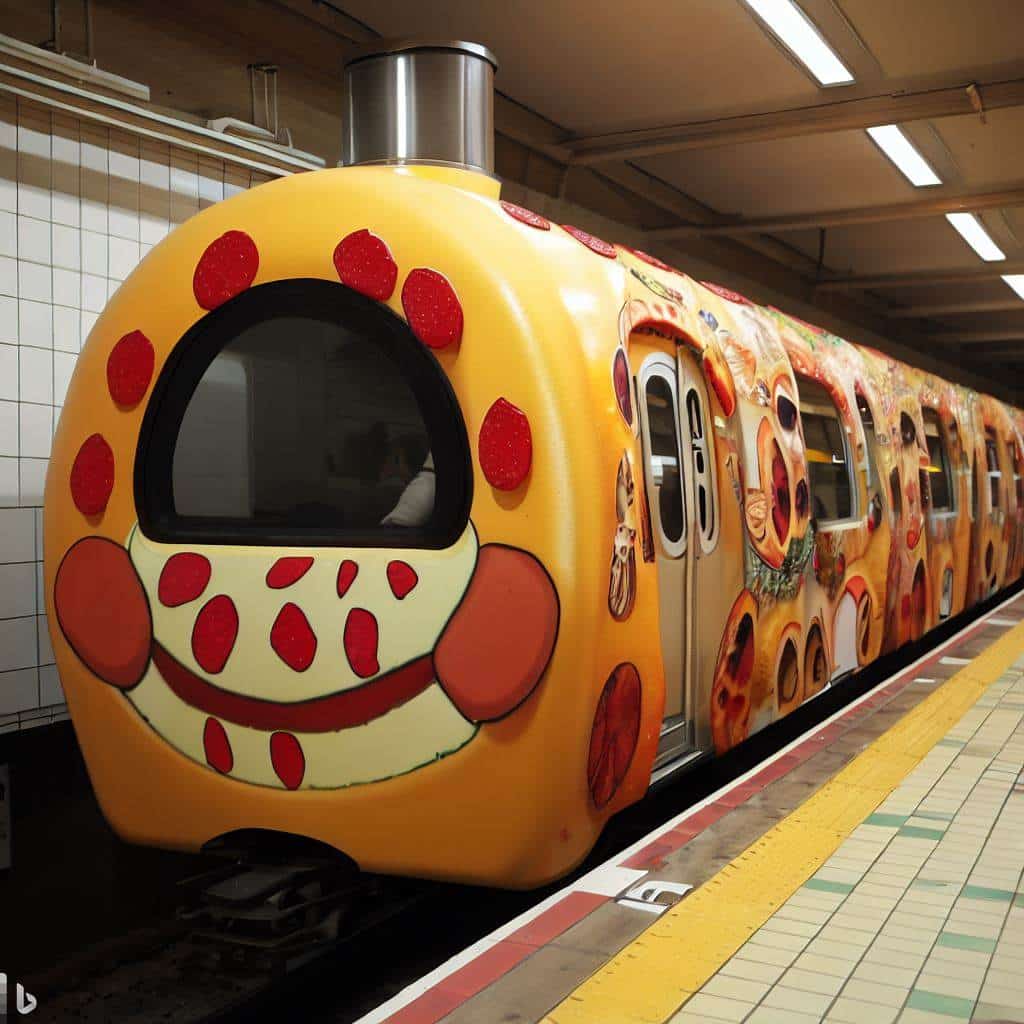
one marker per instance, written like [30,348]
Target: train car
[390,514]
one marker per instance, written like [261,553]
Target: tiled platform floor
[918,917]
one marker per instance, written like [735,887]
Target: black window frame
[931,417]
[823,405]
[333,303]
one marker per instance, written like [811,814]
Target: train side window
[940,475]
[1014,464]
[992,462]
[867,421]
[303,413]
[661,419]
[828,457]
[704,491]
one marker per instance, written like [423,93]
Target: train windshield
[303,413]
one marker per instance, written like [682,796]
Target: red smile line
[343,710]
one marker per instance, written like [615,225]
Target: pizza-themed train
[389,514]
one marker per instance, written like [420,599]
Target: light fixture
[900,150]
[800,36]
[976,236]
[1016,282]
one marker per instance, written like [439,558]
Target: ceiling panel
[600,67]
[816,172]
[990,154]
[912,38]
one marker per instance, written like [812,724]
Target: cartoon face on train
[299,598]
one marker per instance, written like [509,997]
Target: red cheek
[496,646]
[103,612]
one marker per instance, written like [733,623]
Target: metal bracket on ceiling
[977,102]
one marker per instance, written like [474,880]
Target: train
[391,514]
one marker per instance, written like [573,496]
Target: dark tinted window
[303,413]
[661,419]
[992,461]
[828,464]
[939,474]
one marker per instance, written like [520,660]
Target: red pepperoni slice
[214,634]
[726,293]
[184,577]
[286,571]
[401,578]
[520,213]
[293,638]
[505,446]
[287,758]
[620,380]
[92,476]
[361,642]
[592,242]
[130,369]
[432,308]
[653,260]
[217,747]
[226,268]
[614,734]
[347,572]
[364,263]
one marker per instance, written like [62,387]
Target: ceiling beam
[958,337]
[914,209]
[838,115]
[1009,305]
[923,277]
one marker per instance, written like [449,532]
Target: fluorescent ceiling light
[900,150]
[976,236]
[1016,282]
[800,35]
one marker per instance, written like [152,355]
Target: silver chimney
[421,102]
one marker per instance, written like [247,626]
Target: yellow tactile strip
[656,973]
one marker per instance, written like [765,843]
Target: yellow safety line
[655,974]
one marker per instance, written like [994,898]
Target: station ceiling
[691,122]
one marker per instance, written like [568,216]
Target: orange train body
[657,518]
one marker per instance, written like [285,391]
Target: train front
[311,563]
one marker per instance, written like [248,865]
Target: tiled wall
[80,205]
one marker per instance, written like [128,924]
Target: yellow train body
[476,711]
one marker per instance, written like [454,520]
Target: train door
[669,487]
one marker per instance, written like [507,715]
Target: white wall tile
[88,323]
[8,276]
[8,370]
[67,329]
[35,324]
[18,535]
[63,367]
[35,373]
[8,482]
[35,430]
[57,410]
[31,481]
[67,247]
[95,253]
[33,162]
[94,179]
[17,590]
[8,321]
[67,287]
[19,691]
[35,281]
[33,239]
[8,234]
[17,643]
[94,293]
[8,432]
[45,647]
[124,257]
[40,579]
[50,690]
[8,154]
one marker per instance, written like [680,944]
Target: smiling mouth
[343,710]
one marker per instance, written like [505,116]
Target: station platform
[869,872]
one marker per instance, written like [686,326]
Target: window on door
[829,467]
[995,477]
[939,473]
[665,466]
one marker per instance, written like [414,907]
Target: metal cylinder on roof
[421,101]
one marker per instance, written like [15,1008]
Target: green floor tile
[915,832]
[935,1002]
[955,940]
[887,820]
[823,885]
[933,815]
[949,743]
[981,892]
